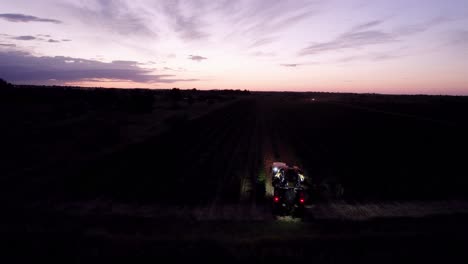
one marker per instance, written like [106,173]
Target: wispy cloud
[375,57]
[460,38]
[365,34]
[421,27]
[256,20]
[172,69]
[367,25]
[263,54]
[261,42]
[24,38]
[26,18]
[350,40]
[264,17]
[38,37]
[290,65]
[184,19]
[125,63]
[23,67]
[264,20]
[117,16]
[197,58]
[7,45]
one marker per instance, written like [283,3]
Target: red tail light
[301,200]
[276,199]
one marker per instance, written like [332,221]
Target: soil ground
[385,177]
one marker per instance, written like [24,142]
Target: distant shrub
[175,95]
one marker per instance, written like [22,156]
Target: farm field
[381,172]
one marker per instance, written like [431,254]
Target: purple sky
[411,46]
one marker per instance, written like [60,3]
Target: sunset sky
[378,46]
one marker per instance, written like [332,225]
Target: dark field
[124,173]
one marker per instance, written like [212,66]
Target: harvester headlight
[275,169]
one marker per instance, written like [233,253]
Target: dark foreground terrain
[94,173]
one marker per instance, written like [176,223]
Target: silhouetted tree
[175,96]
[5,84]
[7,91]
